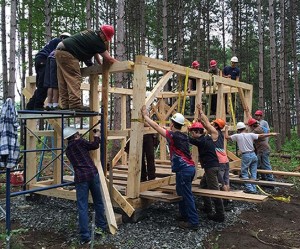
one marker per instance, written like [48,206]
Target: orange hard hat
[258,113]
[108,31]
[213,63]
[220,122]
[195,64]
[252,121]
[196,125]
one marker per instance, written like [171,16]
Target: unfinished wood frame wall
[130,200]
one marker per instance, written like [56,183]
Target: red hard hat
[252,121]
[213,63]
[220,123]
[108,31]
[196,125]
[258,113]
[195,64]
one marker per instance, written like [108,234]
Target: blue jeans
[82,195]
[187,207]
[249,169]
[264,163]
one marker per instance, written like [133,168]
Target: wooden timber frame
[128,197]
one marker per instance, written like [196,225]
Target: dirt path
[272,224]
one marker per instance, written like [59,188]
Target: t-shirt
[207,151]
[233,71]
[264,124]
[85,45]
[214,70]
[245,141]
[180,154]
[220,150]
[261,144]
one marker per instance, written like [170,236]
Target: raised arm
[271,134]
[152,123]
[207,125]
[226,133]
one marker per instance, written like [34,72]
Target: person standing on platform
[36,102]
[182,164]
[232,71]
[79,47]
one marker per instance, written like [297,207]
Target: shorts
[50,80]
[223,176]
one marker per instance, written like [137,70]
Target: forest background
[263,34]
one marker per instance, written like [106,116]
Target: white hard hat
[65,34]
[234,59]
[69,131]
[240,125]
[178,118]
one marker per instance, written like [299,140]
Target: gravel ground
[157,230]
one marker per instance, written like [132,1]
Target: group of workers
[252,144]
[61,57]
[61,74]
[232,72]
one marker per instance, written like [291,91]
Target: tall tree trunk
[295,62]
[275,108]
[165,30]
[88,14]
[260,57]
[48,20]
[3,50]
[12,50]
[180,34]
[282,105]
[119,77]
[223,33]
[143,27]
[30,60]
[234,25]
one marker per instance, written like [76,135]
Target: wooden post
[105,85]
[137,127]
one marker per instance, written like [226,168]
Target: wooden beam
[158,87]
[117,67]
[237,179]
[136,134]
[233,195]
[273,172]
[157,183]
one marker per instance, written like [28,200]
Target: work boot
[187,225]
[216,217]
[181,218]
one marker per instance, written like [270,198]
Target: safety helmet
[69,131]
[195,64]
[108,31]
[220,123]
[213,63]
[252,121]
[240,125]
[178,118]
[196,125]
[234,59]
[64,35]
[258,113]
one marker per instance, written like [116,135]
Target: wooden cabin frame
[129,195]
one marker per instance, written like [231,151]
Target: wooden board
[274,172]
[232,195]
[260,182]
[160,196]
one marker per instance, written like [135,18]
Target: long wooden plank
[232,195]
[160,196]
[260,182]
[121,200]
[273,172]
[109,212]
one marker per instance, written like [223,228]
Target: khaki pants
[69,79]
